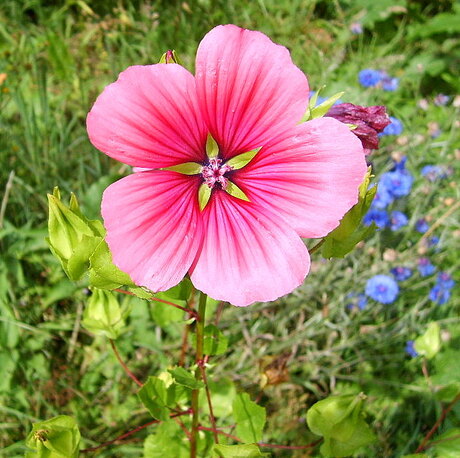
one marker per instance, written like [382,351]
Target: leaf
[234,451]
[429,343]
[204,194]
[185,378]
[450,445]
[235,191]
[241,160]
[187,168]
[168,440]
[215,343]
[154,396]
[249,417]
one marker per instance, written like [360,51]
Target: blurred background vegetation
[56,57]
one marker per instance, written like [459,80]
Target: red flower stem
[262,444]
[191,312]
[435,427]
[182,426]
[133,431]
[208,396]
[125,367]
[317,246]
[199,328]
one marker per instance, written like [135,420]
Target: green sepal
[187,168]
[235,191]
[103,315]
[185,378]
[429,343]
[351,126]
[238,162]
[237,451]
[170,57]
[154,396]
[103,273]
[212,148]
[344,238]
[323,108]
[204,194]
[249,418]
[58,437]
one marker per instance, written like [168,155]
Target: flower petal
[149,118]
[248,254]
[310,177]
[249,90]
[154,226]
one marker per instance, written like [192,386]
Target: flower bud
[57,437]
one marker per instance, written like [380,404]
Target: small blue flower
[379,217]
[445,280]
[421,225]
[382,197]
[433,172]
[398,183]
[410,350]
[369,77]
[395,128]
[441,100]
[382,288]
[397,220]
[401,273]
[433,241]
[390,84]
[425,267]
[439,294]
[356,28]
[358,300]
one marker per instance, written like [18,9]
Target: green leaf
[238,162]
[187,168]
[58,437]
[450,445]
[154,396]
[429,343]
[234,451]
[168,440]
[249,417]
[104,274]
[212,148]
[185,378]
[215,343]
[235,191]
[103,315]
[204,194]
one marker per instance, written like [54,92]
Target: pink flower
[245,244]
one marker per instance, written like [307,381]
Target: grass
[57,57]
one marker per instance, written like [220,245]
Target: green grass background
[56,57]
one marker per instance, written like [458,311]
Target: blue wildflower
[425,267]
[410,349]
[439,294]
[421,225]
[358,300]
[390,84]
[433,172]
[445,280]
[398,182]
[382,197]
[398,220]
[441,100]
[382,288]
[379,217]
[356,28]
[433,241]
[401,273]
[395,128]
[369,77]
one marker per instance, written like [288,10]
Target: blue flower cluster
[372,78]
[382,288]
[401,273]
[395,128]
[425,267]
[434,172]
[441,291]
[393,185]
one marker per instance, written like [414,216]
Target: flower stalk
[199,329]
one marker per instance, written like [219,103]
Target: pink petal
[154,227]
[248,253]
[310,177]
[149,118]
[249,90]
